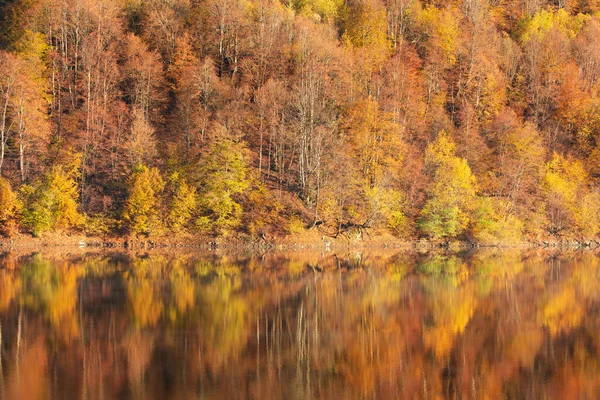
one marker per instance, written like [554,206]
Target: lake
[485,324]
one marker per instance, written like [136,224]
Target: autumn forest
[472,120]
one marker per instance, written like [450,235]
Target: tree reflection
[52,289]
[486,324]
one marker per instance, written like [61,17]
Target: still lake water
[486,324]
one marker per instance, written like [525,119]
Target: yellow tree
[570,206]
[451,194]
[52,203]
[376,143]
[223,176]
[183,203]
[365,28]
[32,131]
[8,206]
[141,209]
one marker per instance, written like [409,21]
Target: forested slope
[461,119]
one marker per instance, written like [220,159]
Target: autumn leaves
[457,120]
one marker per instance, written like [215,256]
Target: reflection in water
[484,325]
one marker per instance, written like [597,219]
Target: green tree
[142,207]
[451,194]
[223,176]
[52,204]
[491,226]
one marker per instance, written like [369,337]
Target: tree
[227,21]
[141,145]
[404,93]
[142,208]
[31,102]
[183,203]
[492,225]
[376,144]
[316,92]
[9,206]
[451,194]
[365,34]
[327,10]
[564,187]
[222,176]
[8,82]
[52,203]
[143,78]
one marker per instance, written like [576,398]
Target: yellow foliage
[491,227]
[296,225]
[569,204]
[9,204]
[141,209]
[452,310]
[327,10]
[145,305]
[545,20]
[564,177]
[587,215]
[9,287]
[52,203]
[224,176]
[563,312]
[376,140]
[452,193]
[63,194]
[365,24]
[442,27]
[183,204]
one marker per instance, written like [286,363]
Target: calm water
[481,325]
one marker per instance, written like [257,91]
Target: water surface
[487,324]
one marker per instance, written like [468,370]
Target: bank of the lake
[311,239]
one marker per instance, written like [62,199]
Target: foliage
[328,10]
[397,221]
[183,204]
[545,20]
[141,211]
[452,196]
[52,203]
[442,30]
[364,24]
[8,201]
[327,109]
[564,183]
[99,225]
[261,208]
[296,225]
[491,227]
[223,176]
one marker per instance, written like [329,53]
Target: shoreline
[288,243]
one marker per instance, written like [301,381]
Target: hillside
[473,120]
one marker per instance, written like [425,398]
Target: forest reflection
[486,325]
